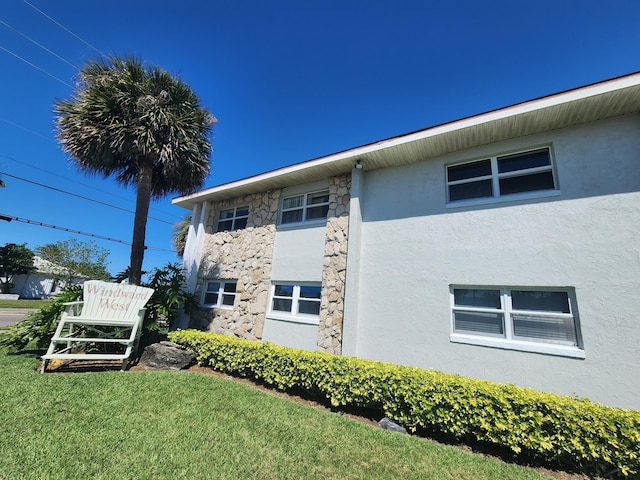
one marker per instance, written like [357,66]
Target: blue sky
[288,81]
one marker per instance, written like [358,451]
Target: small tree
[15,259]
[74,259]
[170,297]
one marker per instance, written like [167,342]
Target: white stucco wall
[298,253]
[291,334]
[298,256]
[414,247]
[35,285]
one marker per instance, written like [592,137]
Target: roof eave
[606,99]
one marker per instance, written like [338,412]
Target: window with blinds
[516,314]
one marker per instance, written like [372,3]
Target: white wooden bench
[110,315]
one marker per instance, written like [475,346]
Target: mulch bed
[366,416]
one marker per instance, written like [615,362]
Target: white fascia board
[450,127]
[514,110]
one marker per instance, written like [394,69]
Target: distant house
[44,282]
[503,246]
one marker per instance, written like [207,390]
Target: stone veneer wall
[246,256]
[334,268]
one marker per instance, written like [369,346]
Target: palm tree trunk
[143,199]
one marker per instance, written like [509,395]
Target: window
[219,293]
[296,300]
[232,219]
[305,208]
[496,177]
[519,316]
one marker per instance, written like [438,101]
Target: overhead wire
[38,44]
[40,169]
[33,222]
[79,196]
[9,122]
[67,62]
[9,218]
[35,66]
[64,28]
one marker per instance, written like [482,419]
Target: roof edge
[565,96]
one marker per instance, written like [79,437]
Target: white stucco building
[43,282]
[503,246]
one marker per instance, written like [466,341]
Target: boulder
[167,356]
[388,424]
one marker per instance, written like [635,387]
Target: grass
[174,425]
[24,303]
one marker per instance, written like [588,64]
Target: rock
[167,356]
[388,424]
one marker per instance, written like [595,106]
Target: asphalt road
[11,316]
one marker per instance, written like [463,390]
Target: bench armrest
[73,308]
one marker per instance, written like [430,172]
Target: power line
[79,196]
[36,67]
[65,28]
[9,122]
[40,169]
[58,79]
[9,218]
[38,44]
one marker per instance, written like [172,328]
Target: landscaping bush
[169,298]
[558,430]
[163,308]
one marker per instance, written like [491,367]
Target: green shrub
[559,430]
[163,308]
[169,297]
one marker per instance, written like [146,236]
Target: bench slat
[104,305]
[86,356]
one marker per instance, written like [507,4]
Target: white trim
[304,207]
[534,347]
[350,315]
[221,293]
[508,340]
[495,176]
[298,225]
[515,197]
[562,98]
[292,319]
[293,315]
[232,219]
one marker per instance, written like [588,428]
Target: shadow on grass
[33,353]
[564,469]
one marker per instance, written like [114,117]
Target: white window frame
[233,219]
[495,178]
[221,293]
[509,341]
[294,315]
[304,208]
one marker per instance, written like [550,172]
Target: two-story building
[503,246]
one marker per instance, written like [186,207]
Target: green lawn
[189,425]
[23,303]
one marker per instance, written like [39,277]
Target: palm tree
[141,125]
[180,232]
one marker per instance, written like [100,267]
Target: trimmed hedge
[560,430]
